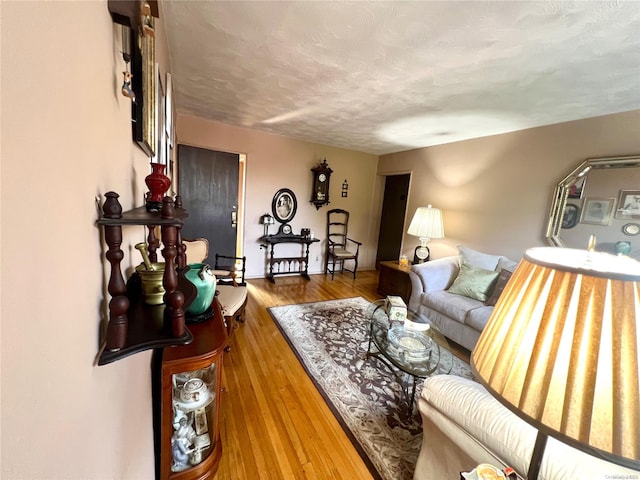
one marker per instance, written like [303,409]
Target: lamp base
[416,258]
[536,456]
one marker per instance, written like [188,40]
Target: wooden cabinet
[394,280]
[134,325]
[187,387]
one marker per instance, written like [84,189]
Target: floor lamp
[426,224]
[561,351]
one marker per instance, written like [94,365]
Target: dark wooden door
[208,184]
[394,205]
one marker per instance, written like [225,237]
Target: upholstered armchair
[231,294]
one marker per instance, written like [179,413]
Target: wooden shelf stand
[134,326]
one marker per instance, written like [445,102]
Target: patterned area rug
[330,339]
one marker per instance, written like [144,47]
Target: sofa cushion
[474,282]
[450,304]
[478,317]
[436,274]
[503,278]
[478,259]
[505,264]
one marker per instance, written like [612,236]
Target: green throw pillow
[474,282]
[503,279]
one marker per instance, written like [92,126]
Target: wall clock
[320,186]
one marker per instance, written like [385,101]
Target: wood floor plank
[274,422]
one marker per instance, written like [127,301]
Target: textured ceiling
[382,77]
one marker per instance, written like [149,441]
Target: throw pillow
[473,282]
[506,264]
[503,278]
[478,259]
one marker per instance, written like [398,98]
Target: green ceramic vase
[201,275]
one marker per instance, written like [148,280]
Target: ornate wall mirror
[596,198]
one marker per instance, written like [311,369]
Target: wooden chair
[231,294]
[232,287]
[225,262]
[340,248]
[197,249]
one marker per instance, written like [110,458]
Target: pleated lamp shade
[561,350]
[427,222]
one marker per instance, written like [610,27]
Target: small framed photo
[577,187]
[597,211]
[628,204]
[571,215]
[201,421]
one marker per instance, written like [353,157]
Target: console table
[287,265]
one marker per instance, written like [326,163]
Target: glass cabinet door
[194,407]
[187,389]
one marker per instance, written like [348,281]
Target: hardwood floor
[274,423]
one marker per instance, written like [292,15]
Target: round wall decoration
[631,229]
[284,205]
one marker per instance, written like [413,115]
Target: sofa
[457,293]
[464,426]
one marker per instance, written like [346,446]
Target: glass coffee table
[413,349]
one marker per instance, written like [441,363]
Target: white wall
[275,162]
[66,138]
[496,191]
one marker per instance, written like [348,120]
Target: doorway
[210,183]
[394,206]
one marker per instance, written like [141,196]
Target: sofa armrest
[431,276]
[473,420]
[416,291]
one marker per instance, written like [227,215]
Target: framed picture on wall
[159,154]
[143,82]
[628,204]
[577,187]
[284,205]
[597,211]
[571,215]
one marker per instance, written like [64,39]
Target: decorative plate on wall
[631,229]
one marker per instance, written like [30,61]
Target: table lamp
[266,220]
[561,350]
[426,224]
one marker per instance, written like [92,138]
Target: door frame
[382,179]
[242,190]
